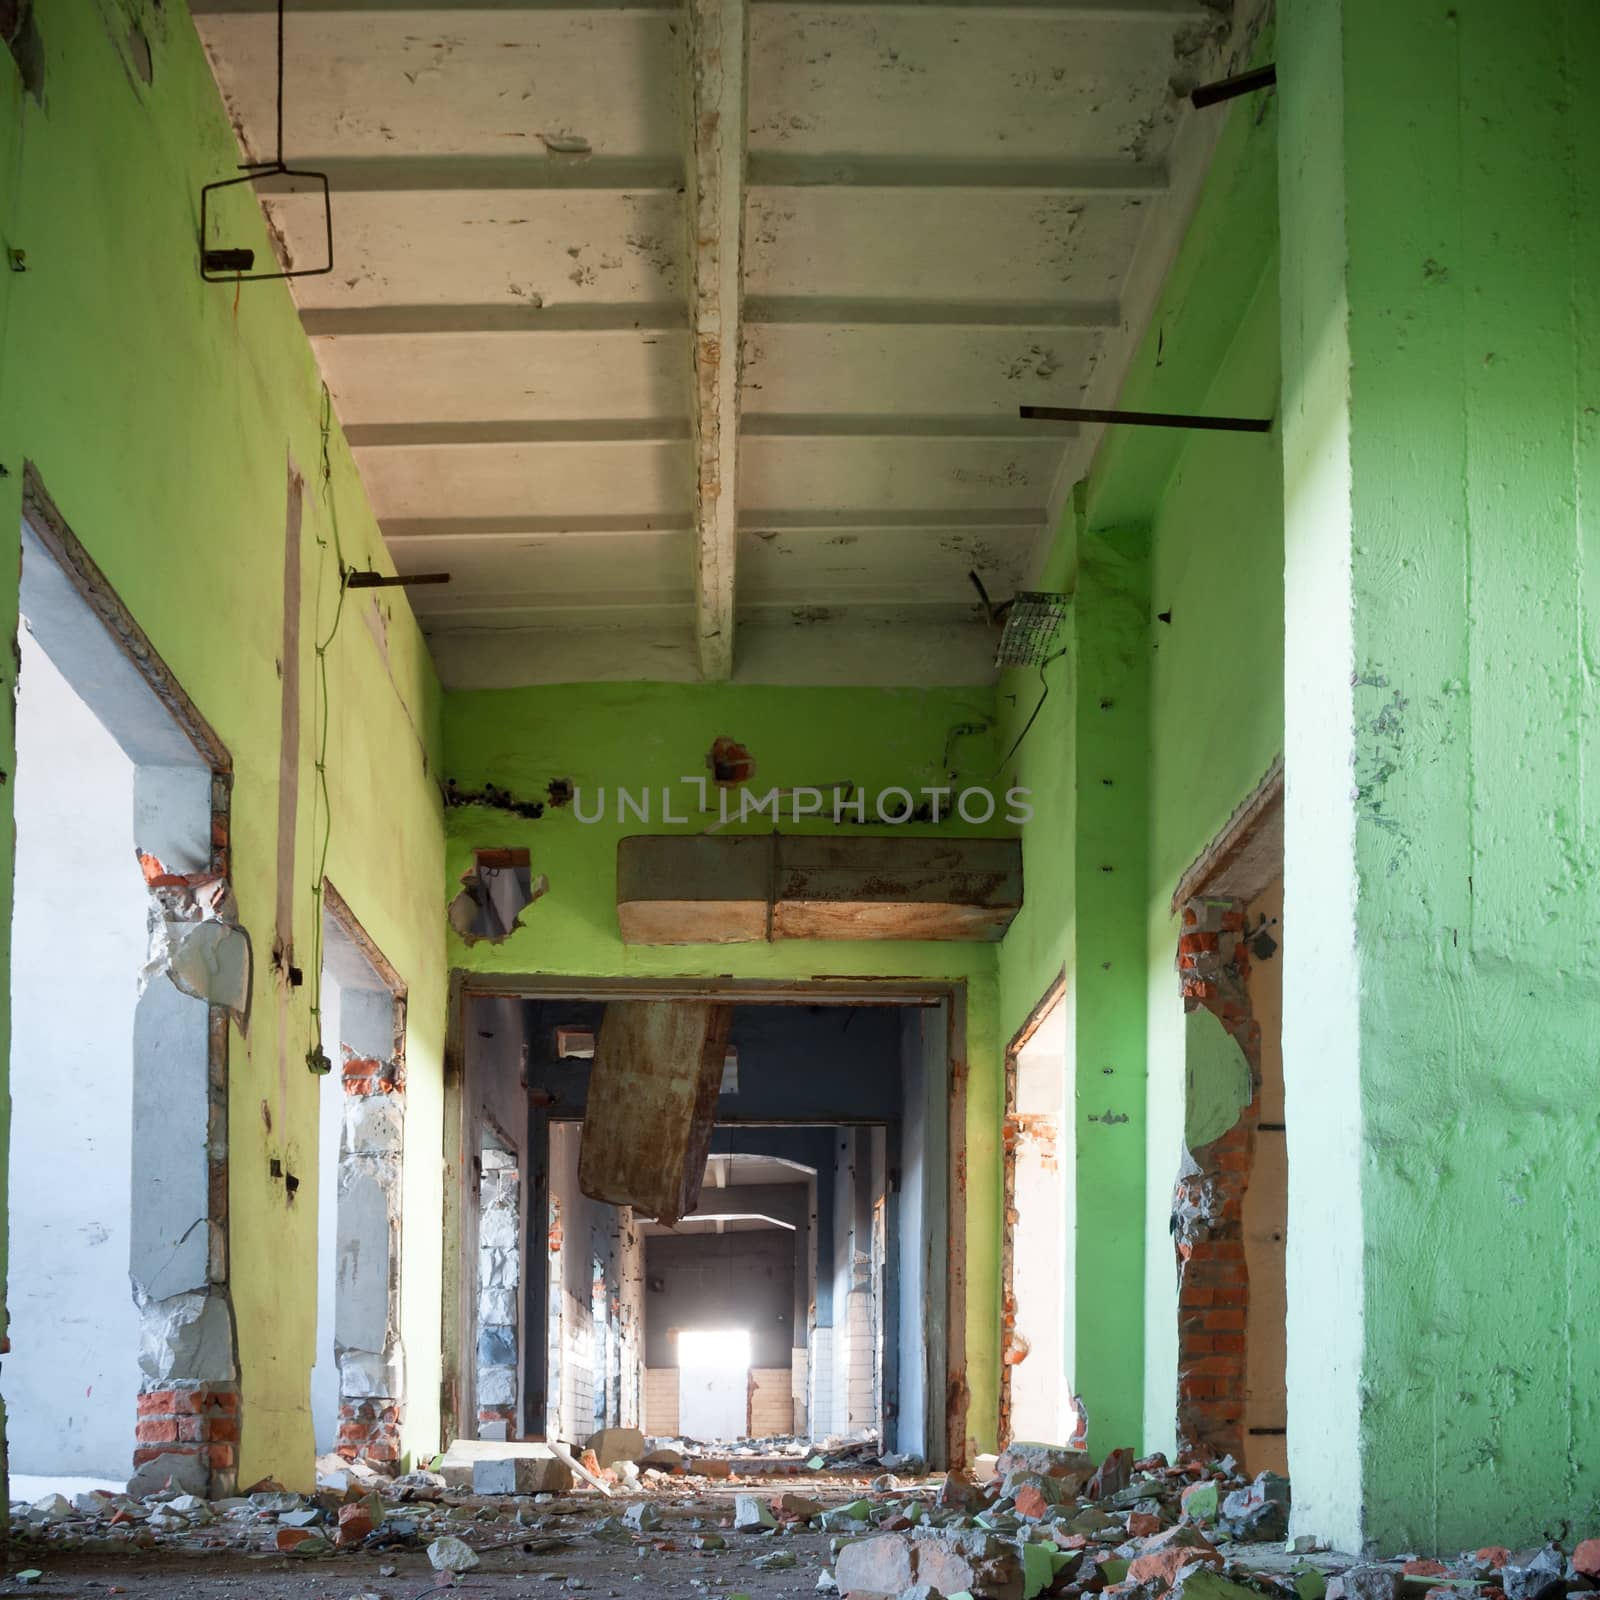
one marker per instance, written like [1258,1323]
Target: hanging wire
[1033,716]
[316,1057]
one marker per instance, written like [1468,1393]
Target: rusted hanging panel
[651,1105]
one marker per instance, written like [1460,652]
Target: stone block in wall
[499,1228]
[497,1306]
[499,1269]
[187,1337]
[374,1126]
[365,1229]
[497,1345]
[497,1386]
[371,1374]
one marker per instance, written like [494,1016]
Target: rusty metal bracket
[231,264]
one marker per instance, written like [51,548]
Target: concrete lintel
[719,46]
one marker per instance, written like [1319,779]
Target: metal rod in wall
[1210,94]
[1147,419]
[404,580]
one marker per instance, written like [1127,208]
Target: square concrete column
[1110,685]
[1440,225]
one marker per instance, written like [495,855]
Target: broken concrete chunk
[1115,1473]
[1201,1502]
[1310,1584]
[875,1569]
[451,1554]
[175,1471]
[642,1516]
[1204,1583]
[519,1474]
[798,1506]
[1047,1460]
[612,1445]
[750,1514]
[186,1338]
[1539,1579]
[1364,1583]
[1260,1511]
[300,1542]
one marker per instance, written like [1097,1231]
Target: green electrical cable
[316,1057]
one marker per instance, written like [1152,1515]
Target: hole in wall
[139,56]
[19,28]
[730,762]
[495,891]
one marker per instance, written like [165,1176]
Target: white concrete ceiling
[775,455]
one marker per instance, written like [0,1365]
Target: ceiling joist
[719,48]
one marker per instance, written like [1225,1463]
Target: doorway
[1230,1202]
[119,1050]
[713,1383]
[358,1381]
[825,1207]
[1037,1400]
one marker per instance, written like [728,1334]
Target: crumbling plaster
[169,463]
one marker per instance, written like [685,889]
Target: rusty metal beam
[719,47]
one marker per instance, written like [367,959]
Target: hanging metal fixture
[232,264]
[1032,618]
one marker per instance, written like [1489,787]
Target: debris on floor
[1043,1520]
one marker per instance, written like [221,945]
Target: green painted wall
[1207,509]
[650,736]
[161,413]
[1441,183]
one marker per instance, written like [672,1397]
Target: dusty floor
[659,1563]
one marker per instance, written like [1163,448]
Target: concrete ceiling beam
[897,313]
[344,322]
[511,528]
[467,435]
[663,430]
[774,169]
[1164,11]
[427,174]
[719,52]
[245,8]
[522,526]
[888,425]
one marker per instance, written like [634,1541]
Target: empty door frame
[945,1349]
[95,640]
[1054,996]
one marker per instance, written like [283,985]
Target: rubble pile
[1038,1520]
